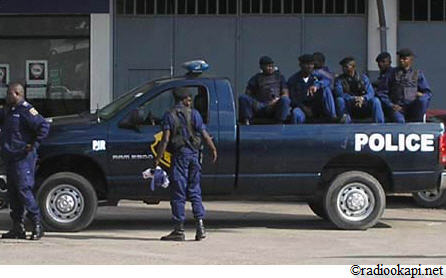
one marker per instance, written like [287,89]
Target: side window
[155,108]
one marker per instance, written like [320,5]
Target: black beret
[383,55]
[405,52]
[181,93]
[306,58]
[319,56]
[266,60]
[346,60]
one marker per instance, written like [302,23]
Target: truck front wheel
[67,201]
[354,200]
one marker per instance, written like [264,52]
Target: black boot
[177,234]
[37,232]
[201,232]
[17,231]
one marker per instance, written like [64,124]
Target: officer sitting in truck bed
[355,95]
[266,95]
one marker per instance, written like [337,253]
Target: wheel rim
[65,203]
[355,202]
[430,196]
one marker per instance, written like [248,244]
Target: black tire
[4,203]
[67,201]
[430,199]
[354,200]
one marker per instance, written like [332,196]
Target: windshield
[120,103]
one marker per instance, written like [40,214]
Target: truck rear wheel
[355,200]
[430,199]
[67,201]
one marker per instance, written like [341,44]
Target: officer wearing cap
[408,94]
[310,92]
[355,95]
[23,129]
[321,68]
[183,129]
[266,95]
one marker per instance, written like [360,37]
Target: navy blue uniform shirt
[21,125]
[265,88]
[197,124]
[298,87]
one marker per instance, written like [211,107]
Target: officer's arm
[38,124]
[339,91]
[323,81]
[283,87]
[370,93]
[210,144]
[2,115]
[162,146]
[200,127]
[423,86]
[251,88]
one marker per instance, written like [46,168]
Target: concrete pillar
[373,43]
[101,55]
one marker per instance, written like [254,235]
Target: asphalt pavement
[239,232]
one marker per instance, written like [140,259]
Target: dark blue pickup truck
[343,171]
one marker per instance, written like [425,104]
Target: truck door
[131,151]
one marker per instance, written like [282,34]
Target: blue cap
[159,179]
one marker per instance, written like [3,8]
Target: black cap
[266,60]
[319,56]
[306,58]
[346,60]
[181,93]
[383,55]
[405,52]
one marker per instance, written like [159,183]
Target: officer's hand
[29,147]
[419,94]
[311,91]
[397,108]
[359,101]
[214,155]
[274,101]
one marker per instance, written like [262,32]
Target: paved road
[239,233]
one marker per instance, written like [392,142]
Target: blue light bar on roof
[196,66]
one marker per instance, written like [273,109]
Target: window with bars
[422,10]
[234,7]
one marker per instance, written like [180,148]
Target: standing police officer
[355,95]
[23,129]
[409,93]
[183,128]
[310,93]
[266,95]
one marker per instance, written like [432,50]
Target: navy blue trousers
[20,184]
[370,108]
[249,108]
[185,185]
[413,111]
[322,106]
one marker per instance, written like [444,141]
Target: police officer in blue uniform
[322,69]
[384,61]
[311,96]
[266,95]
[22,131]
[183,129]
[355,95]
[408,94]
